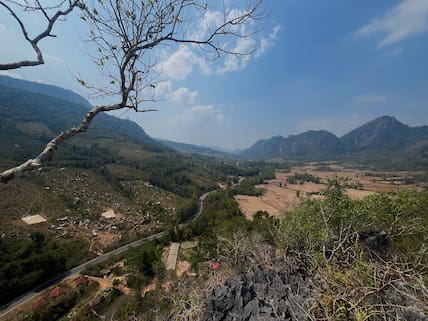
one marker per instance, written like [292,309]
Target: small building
[38,302]
[82,280]
[57,291]
[109,214]
[33,219]
[172,257]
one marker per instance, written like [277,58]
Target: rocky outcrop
[267,296]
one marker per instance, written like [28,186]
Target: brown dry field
[277,201]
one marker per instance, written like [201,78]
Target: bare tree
[52,13]
[123,36]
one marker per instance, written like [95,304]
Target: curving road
[9,307]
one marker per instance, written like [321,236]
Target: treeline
[300,178]
[247,184]
[25,264]
[71,155]
[178,174]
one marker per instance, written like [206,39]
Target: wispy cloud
[394,53]
[180,64]
[408,18]
[267,42]
[163,89]
[184,95]
[198,114]
[246,45]
[368,99]
[234,62]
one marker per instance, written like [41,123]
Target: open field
[281,196]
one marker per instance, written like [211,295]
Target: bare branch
[122,36]
[35,41]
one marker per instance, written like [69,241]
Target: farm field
[281,196]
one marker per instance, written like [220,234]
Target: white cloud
[209,22]
[162,90]
[184,95]
[408,18]
[368,98]
[267,42]
[251,44]
[248,45]
[235,62]
[179,65]
[197,115]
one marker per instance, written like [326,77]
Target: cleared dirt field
[282,197]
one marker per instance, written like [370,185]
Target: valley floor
[281,196]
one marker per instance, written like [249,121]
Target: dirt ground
[282,197]
[183,267]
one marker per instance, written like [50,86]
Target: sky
[328,64]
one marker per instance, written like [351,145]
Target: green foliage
[55,309]
[25,264]
[181,175]
[321,226]
[221,211]
[186,210]
[300,178]
[145,259]
[247,184]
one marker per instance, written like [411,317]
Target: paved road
[9,307]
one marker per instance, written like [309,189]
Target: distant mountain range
[383,139]
[195,149]
[32,113]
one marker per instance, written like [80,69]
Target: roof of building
[82,280]
[38,302]
[57,291]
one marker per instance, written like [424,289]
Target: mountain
[44,89]
[387,141]
[30,118]
[194,149]
[382,132]
[384,140]
[313,144]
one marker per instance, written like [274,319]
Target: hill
[29,120]
[382,141]
[312,144]
[44,89]
[384,132]
[195,149]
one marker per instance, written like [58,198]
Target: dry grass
[283,197]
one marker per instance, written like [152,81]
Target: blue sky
[329,64]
